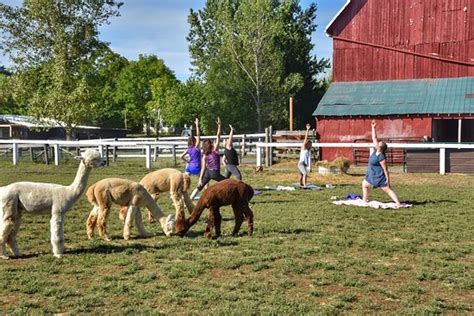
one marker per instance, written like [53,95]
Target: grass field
[307,256]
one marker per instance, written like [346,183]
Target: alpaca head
[182,226]
[91,158]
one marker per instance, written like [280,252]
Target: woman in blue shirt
[377,172]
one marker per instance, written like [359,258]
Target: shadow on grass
[430,202]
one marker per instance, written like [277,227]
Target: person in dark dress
[210,165]
[377,172]
[231,159]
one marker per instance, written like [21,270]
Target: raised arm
[305,136]
[218,136]
[198,133]
[203,169]
[375,141]
[229,140]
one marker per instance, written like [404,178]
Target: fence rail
[148,148]
[441,146]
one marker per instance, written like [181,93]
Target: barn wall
[349,130]
[443,28]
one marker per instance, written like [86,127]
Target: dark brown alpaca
[227,192]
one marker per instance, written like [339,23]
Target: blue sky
[160,27]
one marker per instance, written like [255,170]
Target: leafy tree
[134,89]
[253,54]
[49,41]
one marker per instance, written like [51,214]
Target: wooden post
[442,161]
[270,149]
[266,148]
[107,155]
[56,154]
[32,156]
[101,150]
[174,154]
[148,156]
[46,154]
[291,113]
[242,150]
[15,153]
[259,156]
[114,154]
[155,153]
[459,130]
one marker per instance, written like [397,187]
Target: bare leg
[91,222]
[194,193]
[57,233]
[392,195]
[365,191]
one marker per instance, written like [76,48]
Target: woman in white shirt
[305,157]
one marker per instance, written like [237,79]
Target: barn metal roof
[399,97]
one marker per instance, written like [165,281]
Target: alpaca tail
[186,182]
[90,195]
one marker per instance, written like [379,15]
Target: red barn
[409,64]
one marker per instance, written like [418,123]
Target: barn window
[453,130]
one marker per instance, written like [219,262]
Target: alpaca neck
[79,184]
[196,214]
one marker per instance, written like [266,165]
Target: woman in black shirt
[231,159]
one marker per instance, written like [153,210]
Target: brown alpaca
[128,194]
[227,192]
[168,180]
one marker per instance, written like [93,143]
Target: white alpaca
[42,198]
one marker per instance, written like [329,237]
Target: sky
[160,27]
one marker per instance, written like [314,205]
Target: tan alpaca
[128,194]
[42,198]
[168,180]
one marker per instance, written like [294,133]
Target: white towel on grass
[374,204]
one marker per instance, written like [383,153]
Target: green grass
[306,255]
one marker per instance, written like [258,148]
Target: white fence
[441,146]
[152,148]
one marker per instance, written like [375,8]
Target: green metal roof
[394,97]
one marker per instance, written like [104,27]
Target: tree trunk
[258,105]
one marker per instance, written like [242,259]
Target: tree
[134,89]
[257,51]
[49,41]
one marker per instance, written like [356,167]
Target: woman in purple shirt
[210,162]
[193,164]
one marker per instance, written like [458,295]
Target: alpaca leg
[151,218]
[92,222]
[102,223]
[128,222]
[249,215]
[11,241]
[123,213]
[239,218]
[217,222]
[6,227]
[210,222]
[57,233]
[178,203]
[139,223]
[189,203]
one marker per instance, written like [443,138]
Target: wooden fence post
[107,155]
[259,155]
[46,154]
[266,150]
[32,156]
[148,156]
[114,154]
[270,149]
[174,154]
[155,153]
[15,153]
[442,161]
[57,154]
